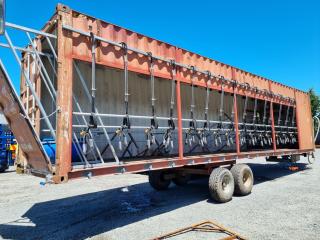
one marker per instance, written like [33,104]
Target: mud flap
[20,124]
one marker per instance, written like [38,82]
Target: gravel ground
[283,205]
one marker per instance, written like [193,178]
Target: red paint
[298,124]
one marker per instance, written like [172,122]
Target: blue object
[6,140]
[50,147]
[42,183]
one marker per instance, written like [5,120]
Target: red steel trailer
[96,99]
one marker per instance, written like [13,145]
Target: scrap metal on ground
[206,226]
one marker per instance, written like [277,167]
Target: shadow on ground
[87,215]
[8,171]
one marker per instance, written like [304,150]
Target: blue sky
[279,40]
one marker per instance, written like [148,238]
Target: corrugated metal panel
[110,55]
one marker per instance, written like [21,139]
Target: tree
[315,102]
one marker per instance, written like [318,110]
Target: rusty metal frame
[171,163]
[233,79]
[206,226]
[181,160]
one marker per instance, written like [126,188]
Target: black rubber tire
[3,168]
[181,179]
[221,185]
[157,181]
[243,179]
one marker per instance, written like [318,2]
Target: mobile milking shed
[96,99]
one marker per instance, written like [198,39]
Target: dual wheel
[224,183]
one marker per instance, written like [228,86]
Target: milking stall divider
[99,99]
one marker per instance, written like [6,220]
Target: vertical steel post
[272,127]
[92,121]
[26,85]
[235,109]
[64,96]
[297,121]
[179,114]
[272,121]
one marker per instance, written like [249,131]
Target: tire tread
[236,171]
[214,183]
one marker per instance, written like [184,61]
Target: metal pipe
[89,131]
[221,110]
[279,114]
[92,122]
[144,127]
[28,73]
[21,49]
[126,120]
[153,99]
[273,132]
[52,66]
[244,115]
[41,64]
[264,119]
[51,47]
[35,62]
[192,105]
[162,118]
[293,116]
[33,91]
[236,119]
[116,126]
[79,152]
[44,79]
[12,25]
[278,126]
[173,86]
[255,111]
[206,108]
[154,123]
[96,112]
[287,116]
[34,85]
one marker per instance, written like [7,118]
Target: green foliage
[315,102]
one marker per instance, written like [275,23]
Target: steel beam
[176,162]
[64,98]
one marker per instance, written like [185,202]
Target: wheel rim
[247,179]
[226,183]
